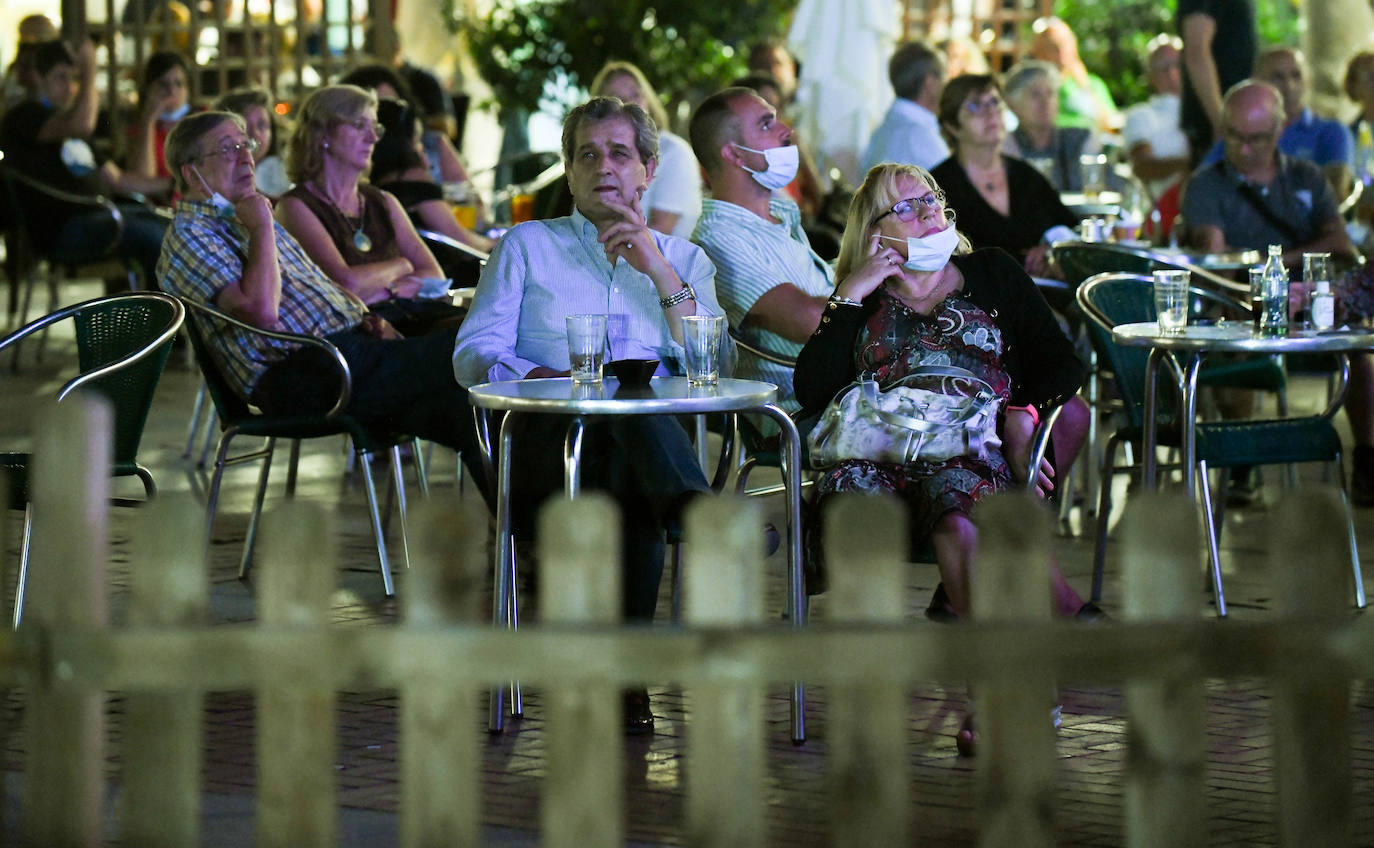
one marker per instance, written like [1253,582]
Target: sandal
[966,740]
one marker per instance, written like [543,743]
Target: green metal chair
[1111,299]
[122,345]
[238,418]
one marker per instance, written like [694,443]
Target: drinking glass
[1171,300]
[586,347]
[701,338]
[1093,169]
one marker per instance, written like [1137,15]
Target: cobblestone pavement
[1091,744]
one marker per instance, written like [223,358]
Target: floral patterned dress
[895,341]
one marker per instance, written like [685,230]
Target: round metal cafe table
[663,396]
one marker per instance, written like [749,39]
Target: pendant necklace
[360,239]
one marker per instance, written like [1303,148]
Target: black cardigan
[1035,207]
[1044,369]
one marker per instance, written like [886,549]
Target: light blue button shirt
[543,271]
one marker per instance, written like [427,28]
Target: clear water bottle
[1323,308]
[1274,285]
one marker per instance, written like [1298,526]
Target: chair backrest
[1081,260]
[1110,299]
[460,263]
[122,346]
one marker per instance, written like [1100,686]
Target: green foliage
[1112,35]
[686,48]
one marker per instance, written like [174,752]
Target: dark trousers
[399,386]
[645,462]
[141,239]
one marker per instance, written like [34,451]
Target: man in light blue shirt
[910,133]
[772,284]
[602,259]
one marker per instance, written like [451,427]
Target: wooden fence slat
[1016,756]
[295,710]
[866,543]
[439,757]
[1310,568]
[66,589]
[723,583]
[162,736]
[580,583]
[1166,760]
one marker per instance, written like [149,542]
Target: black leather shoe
[1090,612]
[639,717]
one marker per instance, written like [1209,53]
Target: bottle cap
[1323,287]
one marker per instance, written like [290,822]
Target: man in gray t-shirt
[1255,196]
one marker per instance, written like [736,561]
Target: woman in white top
[673,199]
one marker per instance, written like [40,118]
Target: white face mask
[176,114]
[929,253]
[782,166]
[223,207]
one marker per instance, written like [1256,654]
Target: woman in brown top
[358,234]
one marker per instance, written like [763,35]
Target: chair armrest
[767,356]
[432,237]
[336,358]
[1040,442]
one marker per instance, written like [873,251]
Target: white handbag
[958,417]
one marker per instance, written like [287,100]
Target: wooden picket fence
[442,655]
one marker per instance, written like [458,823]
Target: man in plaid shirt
[224,248]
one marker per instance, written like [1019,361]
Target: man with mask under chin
[224,249]
[771,283]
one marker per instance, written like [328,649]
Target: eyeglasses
[905,210]
[365,124]
[987,104]
[1253,139]
[231,151]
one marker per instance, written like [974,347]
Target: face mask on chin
[929,253]
[223,207]
[175,115]
[782,166]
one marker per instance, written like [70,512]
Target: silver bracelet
[841,300]
[683,294]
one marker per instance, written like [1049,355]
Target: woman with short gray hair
[1032,91]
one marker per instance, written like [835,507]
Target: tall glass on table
[1171,300]
[586,347]
[701,339]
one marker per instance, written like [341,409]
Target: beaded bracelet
[683,294]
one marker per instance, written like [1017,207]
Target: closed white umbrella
[843,47]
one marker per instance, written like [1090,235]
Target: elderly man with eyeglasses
[225,249]
[1256,196]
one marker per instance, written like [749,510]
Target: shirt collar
[914,111]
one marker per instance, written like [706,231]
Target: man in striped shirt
[771,283]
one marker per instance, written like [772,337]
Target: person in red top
[163,99]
